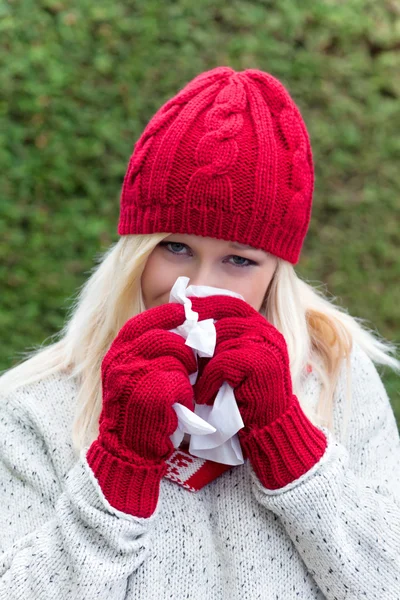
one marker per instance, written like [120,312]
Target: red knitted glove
[145,371]
[251,355]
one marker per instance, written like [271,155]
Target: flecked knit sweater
[334,533]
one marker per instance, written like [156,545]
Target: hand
[251,355]
[145,371]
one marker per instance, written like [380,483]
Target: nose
[205,275]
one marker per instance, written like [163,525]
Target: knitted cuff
[286,449]
[127,487]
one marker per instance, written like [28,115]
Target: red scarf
[191,472]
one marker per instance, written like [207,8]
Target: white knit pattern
[333,534]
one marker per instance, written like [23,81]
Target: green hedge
[80,80]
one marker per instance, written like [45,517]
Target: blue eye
[173,244]
[176,249]
[176,246]
[246,261]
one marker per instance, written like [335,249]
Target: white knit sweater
[334,533]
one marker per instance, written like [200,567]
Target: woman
[97,502]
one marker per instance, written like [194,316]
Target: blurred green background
[79,82]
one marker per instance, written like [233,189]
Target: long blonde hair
[317,333]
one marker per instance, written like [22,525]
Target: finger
[158,391]
[152,344]
[157,343]
[236,327]
[226,366]
[139,365]
[150,404]
[174,387]
[155,387]
[257,329]
[166,316]
[218,307]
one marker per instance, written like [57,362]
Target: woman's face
[207,261]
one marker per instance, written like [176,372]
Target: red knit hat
[227,157]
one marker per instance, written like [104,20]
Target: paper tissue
[213,429]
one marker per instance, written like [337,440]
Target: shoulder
[362,407]
[360,403]
[39,416]
[359,373]
[52,397]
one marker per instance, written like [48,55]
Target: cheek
[253,293]
[157,281]
[254,289]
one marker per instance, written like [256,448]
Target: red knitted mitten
[251,355]
[145,371]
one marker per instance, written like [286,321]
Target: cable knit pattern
[228,157]
[334,533]
[251,355]
[217,151]
[144,372]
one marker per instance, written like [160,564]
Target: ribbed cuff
[127,487]
[286,449]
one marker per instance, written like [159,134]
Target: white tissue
[213,429]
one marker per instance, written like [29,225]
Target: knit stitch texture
[334,533]
[227,157]
[144,373]
[251,356]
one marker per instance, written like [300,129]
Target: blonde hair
[317,332]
